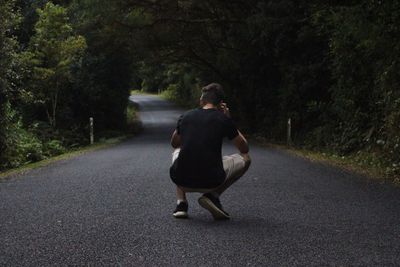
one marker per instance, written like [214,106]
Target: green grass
[366,163]
[67,155]
[140,92]
[171,96]
[136,92]
[131,113]
[132,118]
[134,127]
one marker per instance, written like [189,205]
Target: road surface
[114,207]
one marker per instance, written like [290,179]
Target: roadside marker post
[289,132]
[91,130]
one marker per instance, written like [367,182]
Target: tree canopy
[332,67]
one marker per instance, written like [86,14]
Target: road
[114,207]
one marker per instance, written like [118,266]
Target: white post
[91,130]
[289,132]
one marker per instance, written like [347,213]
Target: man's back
[200,164]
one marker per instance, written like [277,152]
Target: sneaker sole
[214,210]
[180,215]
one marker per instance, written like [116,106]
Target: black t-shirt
[199,164]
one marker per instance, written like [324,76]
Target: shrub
[53,148]
[23,147]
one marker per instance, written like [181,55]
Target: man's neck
[209,106]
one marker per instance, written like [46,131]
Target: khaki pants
[235,166]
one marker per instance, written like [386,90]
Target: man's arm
[175,140]
[241,143]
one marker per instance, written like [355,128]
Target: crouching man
[197,162]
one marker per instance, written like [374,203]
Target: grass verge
[140,92]
[67,155]
[132,118]
[115,137]
[365,163]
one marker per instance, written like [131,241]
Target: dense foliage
[332,67]
[57,69]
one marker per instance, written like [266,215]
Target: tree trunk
[49,118]
[54,101]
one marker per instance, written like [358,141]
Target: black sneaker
[181,210]
[213,205]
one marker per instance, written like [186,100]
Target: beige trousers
[235,166]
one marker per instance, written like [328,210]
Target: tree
[53,50]
[9,18]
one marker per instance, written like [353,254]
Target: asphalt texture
[113,207]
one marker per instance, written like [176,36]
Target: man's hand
[223,107]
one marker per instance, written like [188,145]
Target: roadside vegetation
[367,163]
[56,73]
[332,68]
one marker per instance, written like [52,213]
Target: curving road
[113,207]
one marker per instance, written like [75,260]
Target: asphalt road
[114,207]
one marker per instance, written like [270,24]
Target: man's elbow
[175,144]
[175,140]
[244,147]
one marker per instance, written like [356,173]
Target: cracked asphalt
[113,207]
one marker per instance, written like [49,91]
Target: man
[198,165]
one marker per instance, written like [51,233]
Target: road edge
[65,156]
[335,161]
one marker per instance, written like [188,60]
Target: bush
[171,93]
[23,147]
[183,88]
[53,148]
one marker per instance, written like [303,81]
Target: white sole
[214,210]
[180,214]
